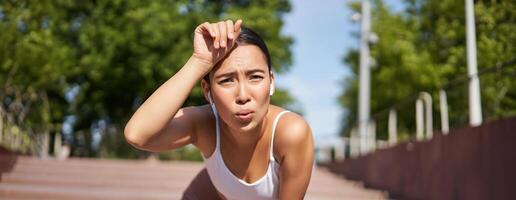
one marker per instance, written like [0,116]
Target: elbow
[133,137]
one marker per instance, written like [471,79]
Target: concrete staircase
[24,177]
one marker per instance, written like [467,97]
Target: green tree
[98,60]
[422,48]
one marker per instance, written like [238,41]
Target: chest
[248,163]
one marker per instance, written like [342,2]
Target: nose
[242,95]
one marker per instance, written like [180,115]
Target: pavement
[25,177]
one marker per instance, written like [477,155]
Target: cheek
[224,101]
[262,97]
[262,90]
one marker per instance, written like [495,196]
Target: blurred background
[378,81]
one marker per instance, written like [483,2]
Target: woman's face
[240,87]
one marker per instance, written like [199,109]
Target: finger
[238,27]
[231,34]
[231,29]
[203,29]
[217,35]
[223,34]
[210,29]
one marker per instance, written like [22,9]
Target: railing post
[364,76]
[393,129]
[419,120]
[57,144]
[427,99]
[345,147]
[475,105]
[354,144]
[445,127]
[339,150]
[371,129]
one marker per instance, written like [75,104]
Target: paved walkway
[25,177]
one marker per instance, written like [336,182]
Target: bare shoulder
[193,115]
[292,132]
[292,127]
[203,125]
[197,117]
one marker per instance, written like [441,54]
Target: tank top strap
[275,123]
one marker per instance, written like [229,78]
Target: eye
[226,80]
[256,77]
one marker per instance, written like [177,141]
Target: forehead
[243,57]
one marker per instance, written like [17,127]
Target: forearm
[154,114]
[294,186]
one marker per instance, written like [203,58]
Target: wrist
[202,65]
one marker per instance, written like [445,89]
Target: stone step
[26,178]
[326,185]
[144,173]
[96,181]
[39,191]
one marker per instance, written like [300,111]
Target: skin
[239,86]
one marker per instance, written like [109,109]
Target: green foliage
[17,140]
[186,153]
[423,48]
[117,53]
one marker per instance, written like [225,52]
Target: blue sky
[322,34]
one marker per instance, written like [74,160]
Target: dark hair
[248,36]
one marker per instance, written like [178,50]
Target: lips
[245,115]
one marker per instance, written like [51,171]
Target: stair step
[37,191]
[25,178]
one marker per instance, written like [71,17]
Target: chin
[246,127]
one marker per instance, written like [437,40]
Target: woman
[252,149]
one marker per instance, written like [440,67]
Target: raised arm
[159,124]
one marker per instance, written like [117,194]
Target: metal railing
[423,115]
[423,112]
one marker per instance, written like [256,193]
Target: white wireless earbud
[209,97]
[271,91]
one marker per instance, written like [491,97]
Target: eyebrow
[252,71]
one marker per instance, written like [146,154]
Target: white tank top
[233,187]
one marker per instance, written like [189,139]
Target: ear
[272,87]
[206,90]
